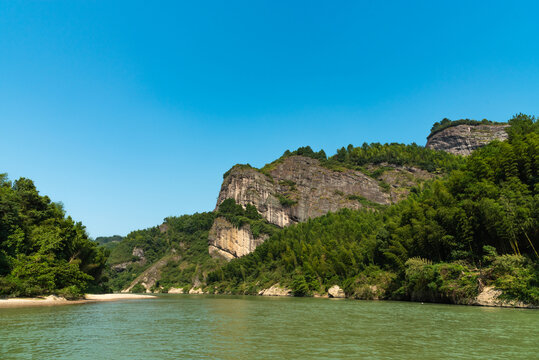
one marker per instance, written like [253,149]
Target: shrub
[138,289]
[71,292]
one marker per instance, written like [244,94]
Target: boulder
[276,290]
[336,292]
[175,291]
[196,291]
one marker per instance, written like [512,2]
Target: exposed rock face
[489,296]
[315,189]
[138,252]
[336,292]
[276,290]
[297,188]
[150,276]
[175,291]
[230,242]
[401,179]
[463,139]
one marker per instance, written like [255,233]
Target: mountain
[303,184]
[461,137]
[470,236]
[372,221]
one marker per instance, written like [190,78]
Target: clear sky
[129,112]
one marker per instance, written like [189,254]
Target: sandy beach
[52,300]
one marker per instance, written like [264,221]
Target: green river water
[228,327]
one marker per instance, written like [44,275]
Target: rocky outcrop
[150,276]
[400,178]
[175,290]
[196,291]
[229,242]
[490,296]
[276,290]
[463,139]
[336,292]
[137,252]
[296,188]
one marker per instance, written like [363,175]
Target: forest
[477,225]
[41,250]
[356,158]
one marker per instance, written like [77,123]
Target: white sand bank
[55,300]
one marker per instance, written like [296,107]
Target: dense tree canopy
[41,250]
[485,213]
[376,153]
[181,241]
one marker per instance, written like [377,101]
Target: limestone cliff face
[463,139]
[313,190]
[229,242]
[297,188]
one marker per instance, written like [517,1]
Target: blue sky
[129,112]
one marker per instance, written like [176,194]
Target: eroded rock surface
[229,242]
[336,292]
[463,139]
[490,296]
[175,291]
[150,276]
[276,290]
[314,189]
[297,188]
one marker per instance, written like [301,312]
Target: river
[234,327]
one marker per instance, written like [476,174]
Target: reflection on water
[218,327]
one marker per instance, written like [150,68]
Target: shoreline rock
[194,291]
[336,292]
[489,296]
[276,290]
[175,291]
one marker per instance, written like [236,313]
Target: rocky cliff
[463,139]
[230,242]
[296,188]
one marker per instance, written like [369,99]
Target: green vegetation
[285,200]
[445,123]
[477,226]
[41,250]
[378,154]
[308,152]
[182,241]
[434,246]
[238,216]
[365,202]
[238,166]
[109,242]
[395,154]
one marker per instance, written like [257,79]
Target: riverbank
[52,300]
[489,296]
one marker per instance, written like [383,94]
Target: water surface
[227,327]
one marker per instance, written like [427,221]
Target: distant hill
[109,241]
